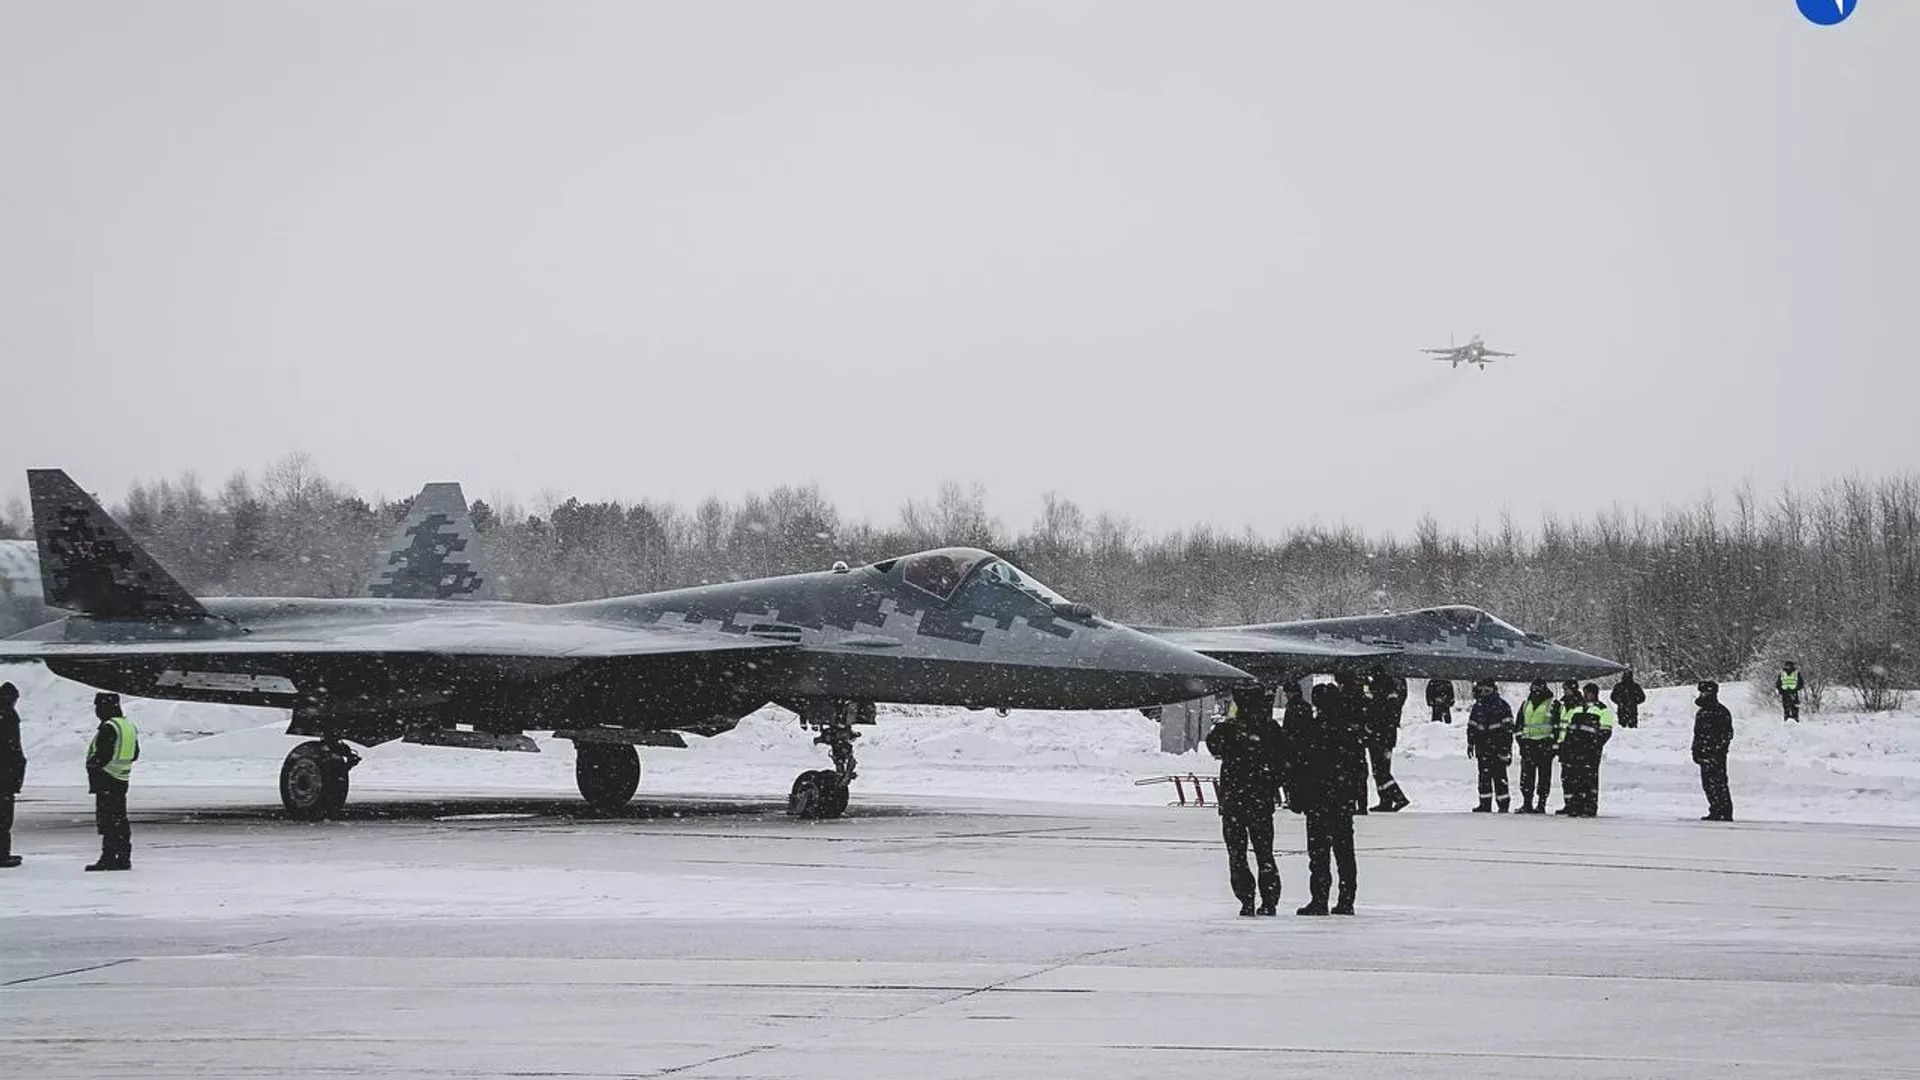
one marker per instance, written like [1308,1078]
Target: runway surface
[482,937]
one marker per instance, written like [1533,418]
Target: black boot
[1505,805]
[1314,907]
[1344,907]
[1246,908]
[1485,807]
[8,862]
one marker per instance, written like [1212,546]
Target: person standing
[1248,744]
[1539,735]
[1490,744]
[1355,704]
[1387,695]
[1789,686]
[1583,741]
[110,758]
[1627,697]
[13,770]
[1324,763]
[1440,699]
[1712,737]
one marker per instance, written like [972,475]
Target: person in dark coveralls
[1583,743]
[1539,737]
[1490,744]
[1248,744]
[1323,762]
[1712,737]
[1354,698]
[1440,699]
[1627,697]
[1386,695]
[1789,686]
[13,770]
[110,758]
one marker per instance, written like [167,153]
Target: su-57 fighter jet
[1473,352]
[430,658]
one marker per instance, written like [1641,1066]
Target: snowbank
[1832,767]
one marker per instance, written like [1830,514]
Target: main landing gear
[823,793]
[608,774]
[313,782]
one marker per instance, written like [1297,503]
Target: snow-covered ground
[1832,767]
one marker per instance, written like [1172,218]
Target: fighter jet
[429,658]
[1473,352]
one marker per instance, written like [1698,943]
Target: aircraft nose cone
[1580,665]
[1181,673]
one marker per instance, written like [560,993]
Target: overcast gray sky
[1172,260]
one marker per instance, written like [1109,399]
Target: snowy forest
[1715,589]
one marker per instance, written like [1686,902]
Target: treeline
[1710,590]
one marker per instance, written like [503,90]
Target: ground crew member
[1583,738]
[1357,702]
[1440,699]
[1248,744]
[1627,697]
[1490,743]
[1789,686]
[1539,736]
[1386,696]
[116,746]
[1712,737]
[1296,706]
[1324,763]
[13,771]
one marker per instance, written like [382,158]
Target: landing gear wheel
[313,781]
[817,794]
[608,775]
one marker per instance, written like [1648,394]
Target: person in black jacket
[1323,765]
[1248,744]
[13,770]
[1627,697]
[1712,737]
[1490,743]
[1386,696]
[1440,699]
[1354,700]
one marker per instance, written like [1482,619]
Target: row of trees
[1715,589]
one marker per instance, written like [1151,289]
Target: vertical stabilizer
[435,554]
[89,564]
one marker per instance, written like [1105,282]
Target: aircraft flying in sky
[428,656]
[1473,352]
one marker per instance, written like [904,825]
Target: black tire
[837,796]
[816,795]
[313,782]
[608,775]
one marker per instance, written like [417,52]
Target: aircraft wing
[1435,643]
[1496,352]
[476,637]
[1441,352]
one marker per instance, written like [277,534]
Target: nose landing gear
[823,793]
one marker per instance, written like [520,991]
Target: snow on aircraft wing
[437,637]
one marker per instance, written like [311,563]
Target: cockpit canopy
[940,573]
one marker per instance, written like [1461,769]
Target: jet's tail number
[435,553]
[89,564]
